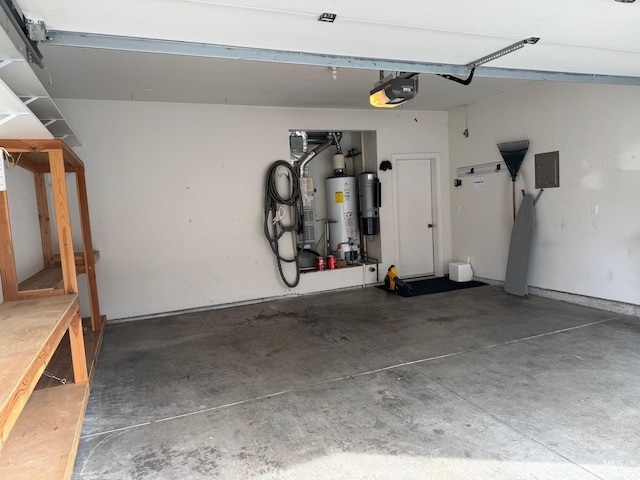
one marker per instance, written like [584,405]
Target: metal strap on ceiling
[150,45]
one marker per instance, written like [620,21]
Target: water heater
[342,215]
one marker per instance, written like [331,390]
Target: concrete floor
[470,384]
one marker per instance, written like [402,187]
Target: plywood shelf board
[46,279]
[31,332]
[44,441]
[50,278]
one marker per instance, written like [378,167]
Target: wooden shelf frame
[59,276]
[40,427]
[48,433]
[40,430]
[32,330]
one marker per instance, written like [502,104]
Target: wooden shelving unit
[48,431]
[41,326]
[59,275]
[50,420]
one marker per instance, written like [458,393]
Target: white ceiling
[579,36]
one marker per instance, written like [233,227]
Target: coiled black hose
[274,231]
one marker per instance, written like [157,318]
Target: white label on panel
[478,182]
[350,226]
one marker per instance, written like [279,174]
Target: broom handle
[513,191]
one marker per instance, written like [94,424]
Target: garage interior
[211,365]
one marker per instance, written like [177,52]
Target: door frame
[436,195]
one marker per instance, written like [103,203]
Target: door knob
[430,225]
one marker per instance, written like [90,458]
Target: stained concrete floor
[471,384]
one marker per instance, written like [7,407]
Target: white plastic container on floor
[460,272]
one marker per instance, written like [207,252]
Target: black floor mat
[434,285]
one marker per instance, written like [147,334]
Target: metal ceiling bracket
[463,81]
[504,51]
[8,117]
[36,30]
[327,17]
[492,56]
[27,100]
[17,21]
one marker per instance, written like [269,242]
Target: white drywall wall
[595,129]
[25,225]
[176,195]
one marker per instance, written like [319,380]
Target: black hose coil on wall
[274,204]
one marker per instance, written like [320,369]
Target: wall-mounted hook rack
[479,169]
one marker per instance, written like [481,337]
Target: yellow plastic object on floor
[390,278]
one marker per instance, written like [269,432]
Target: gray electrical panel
[547,170]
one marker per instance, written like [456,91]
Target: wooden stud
[63,221]
[45,223]
[78,355]
[79,259]
[87,243]
[45,292]
[7,260]
[28,145]
[33,151]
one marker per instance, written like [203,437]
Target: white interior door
[414,216]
